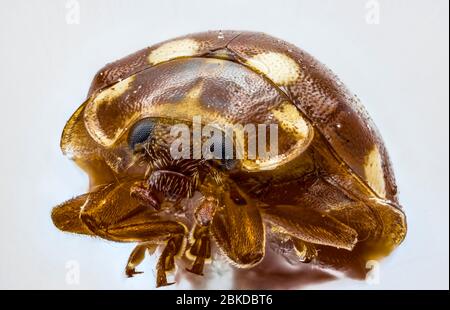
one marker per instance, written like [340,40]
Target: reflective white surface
[399,69]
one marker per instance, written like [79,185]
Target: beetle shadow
[274,272]
[277,274]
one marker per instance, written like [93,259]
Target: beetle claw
[132,272]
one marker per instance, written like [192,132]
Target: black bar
[180,299]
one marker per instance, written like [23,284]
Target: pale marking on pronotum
[105,97]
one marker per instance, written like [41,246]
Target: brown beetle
[328,197]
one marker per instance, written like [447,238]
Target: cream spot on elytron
[291,120]
[373,169]
[173,49]
[278,67]
[91,112]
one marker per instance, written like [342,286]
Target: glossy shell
[314,89]
[328,196]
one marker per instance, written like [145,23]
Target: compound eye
[141,132]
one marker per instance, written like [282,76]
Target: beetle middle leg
[323,223]
[200,249]
[311,225]
[200,239]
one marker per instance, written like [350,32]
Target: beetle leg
[294,250]
[391,219]
[332,201]
[66,216]
[153,232]
[311,225]
[137,256]
[238,229]
[305,251]
[166,261]
[146,196]
[200,249]
[110,214]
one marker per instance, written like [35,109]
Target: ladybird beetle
[328,197]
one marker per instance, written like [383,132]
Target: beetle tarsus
[166,262]
[201,249]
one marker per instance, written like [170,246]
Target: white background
[399,69]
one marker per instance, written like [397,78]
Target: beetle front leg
[66,216]
[110,214]
[137,256]
[152,233]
